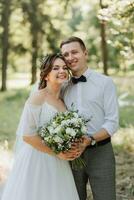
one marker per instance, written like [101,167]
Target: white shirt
[96,100]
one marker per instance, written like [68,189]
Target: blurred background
[30,29]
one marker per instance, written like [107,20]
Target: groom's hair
[73,39]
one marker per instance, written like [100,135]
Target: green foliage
[52,21]
[11,104]
[126,116]
[119,16]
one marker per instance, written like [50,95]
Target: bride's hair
[46,67]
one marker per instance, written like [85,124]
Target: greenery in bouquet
[62,131]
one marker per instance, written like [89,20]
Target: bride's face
[59,72]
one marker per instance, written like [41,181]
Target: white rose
[46,139]
[64,123]
[54,124]
[76,115]
[58,139]
[70,131]
[68,121]
[80,120]
[51,129]
[84,129]
[58,129]
[66,113]
[75,121]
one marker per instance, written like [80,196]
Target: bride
[39,174]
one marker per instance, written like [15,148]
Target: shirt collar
[87,73]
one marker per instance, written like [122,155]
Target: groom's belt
[100,143]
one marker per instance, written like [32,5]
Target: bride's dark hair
[46,67]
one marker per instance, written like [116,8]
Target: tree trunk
[104,48]
[34,57]
[104,44]
[5,42]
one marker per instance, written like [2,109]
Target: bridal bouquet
[62,131]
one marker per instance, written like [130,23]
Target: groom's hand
[72,153]
[76,150]
[84,142]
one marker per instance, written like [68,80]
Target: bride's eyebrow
[56,66]
[60,66]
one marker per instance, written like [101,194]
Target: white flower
[47,139]
[58,139]
[64,127]
[50,129]
[58,129]
[64,123]
[75,115]
[80,121]
[84,129]
[70,131]
[54,124]
[66,113]
[75,121]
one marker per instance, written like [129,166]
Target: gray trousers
[99,171]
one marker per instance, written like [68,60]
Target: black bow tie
[80,79]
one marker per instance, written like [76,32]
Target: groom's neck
[79,72]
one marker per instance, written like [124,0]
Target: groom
[94,95]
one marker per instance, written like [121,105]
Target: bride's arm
[36,142]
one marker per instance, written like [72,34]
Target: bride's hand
[68,155]
[79,146]
[76,150]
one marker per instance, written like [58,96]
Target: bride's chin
[63,80]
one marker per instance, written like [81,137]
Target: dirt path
[6,159]
[1,190]
[124,166]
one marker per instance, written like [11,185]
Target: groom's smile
[75,56]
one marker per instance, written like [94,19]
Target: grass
[11,105]
[127,116]
[12,102]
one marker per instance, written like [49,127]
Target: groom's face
[75,56]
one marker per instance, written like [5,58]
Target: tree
[31,8]
[6,11]
[41,27]
[103,42]
[120,15]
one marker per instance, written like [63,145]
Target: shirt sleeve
[29,120]
[111,120]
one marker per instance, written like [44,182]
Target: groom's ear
[86,53]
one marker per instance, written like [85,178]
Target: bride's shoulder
[37,98]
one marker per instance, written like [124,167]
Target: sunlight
[20,80]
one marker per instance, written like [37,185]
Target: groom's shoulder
[99,77]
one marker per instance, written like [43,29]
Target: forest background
[30,29]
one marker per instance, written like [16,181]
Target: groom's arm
[111,118]
[98,136]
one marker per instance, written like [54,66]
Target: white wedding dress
[36,175]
